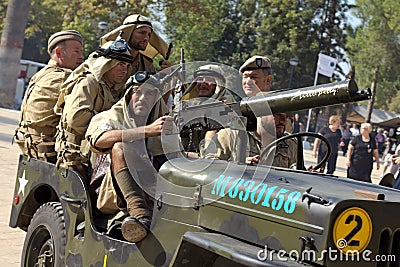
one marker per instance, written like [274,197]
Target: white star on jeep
[22,183]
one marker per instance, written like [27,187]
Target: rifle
[170,46]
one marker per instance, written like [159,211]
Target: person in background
[334,136]
[380,139]
[297,124]
[354,130]
[390,152]
[346,136]
[362,150]
[37,126]
[19,90]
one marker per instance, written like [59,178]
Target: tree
[194,26]
[301,29]
[83,16]
[11,45]
[376,45]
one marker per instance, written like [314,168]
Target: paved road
[341,168]
[12,239]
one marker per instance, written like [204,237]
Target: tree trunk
[372,100]
[11,44]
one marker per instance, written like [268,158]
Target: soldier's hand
[164,64]
[253,160]
[157,127]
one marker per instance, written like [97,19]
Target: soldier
[256,78]
[144,42]
[208,86]
[37,126]
[121,131]
[90,89]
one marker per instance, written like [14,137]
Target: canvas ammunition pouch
[46,151]
[36,145]
[70,155]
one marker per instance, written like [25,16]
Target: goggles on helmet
[117,50]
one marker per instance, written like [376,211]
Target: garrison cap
[62,36]
[256,62]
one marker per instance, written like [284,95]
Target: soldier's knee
[117,151]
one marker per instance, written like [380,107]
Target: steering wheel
[300,156]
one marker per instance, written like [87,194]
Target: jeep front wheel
[46,237]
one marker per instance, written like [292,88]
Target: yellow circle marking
[352,230]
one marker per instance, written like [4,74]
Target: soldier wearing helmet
[37,127]
[256,79]
[90,89]
[145,44]
[208,86]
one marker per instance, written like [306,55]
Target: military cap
[256,62]
[62,36]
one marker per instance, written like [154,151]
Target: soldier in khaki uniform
[256,79]
[145,44]
[208,86]
[90,89]
[121,131]
[37,127]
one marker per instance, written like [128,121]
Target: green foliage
[49,16]
[3,12]
[194,26]
[230,31]
[376,44]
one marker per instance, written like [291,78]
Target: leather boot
[135,230]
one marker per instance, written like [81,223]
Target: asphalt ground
[11,239]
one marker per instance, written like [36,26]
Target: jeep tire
[45,239]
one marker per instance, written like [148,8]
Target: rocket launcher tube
[304,98]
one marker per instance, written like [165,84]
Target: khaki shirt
[37,111]
[226,139]
[37,128]
[88,98]
[142,63]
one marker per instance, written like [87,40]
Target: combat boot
[135,230]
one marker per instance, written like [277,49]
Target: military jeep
[217,213]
